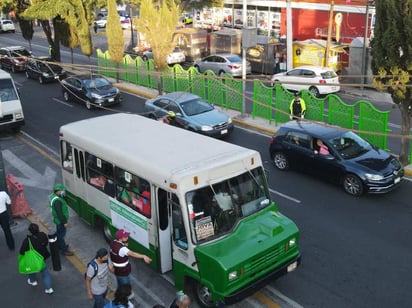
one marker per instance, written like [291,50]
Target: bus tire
[105,227]
[203,295]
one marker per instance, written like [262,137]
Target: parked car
[14,58]
[90,90]
[101,23]
[223,64]
[6,25]
[177,56]
[43,69]
[349,160]
[190,112]
[317,79]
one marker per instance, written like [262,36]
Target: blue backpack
[95,267]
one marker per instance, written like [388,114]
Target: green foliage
[157,23]
[114,33]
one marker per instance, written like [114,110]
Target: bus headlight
[18,116]
[232,275]
[292,242]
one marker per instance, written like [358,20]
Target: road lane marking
[284,196]
[283,297]
[268,302]
[62,102]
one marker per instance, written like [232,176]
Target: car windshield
[214,210]
[20,53]
[350,145]
[7,91]
[195,107]
[96,83]
[234,59]
[329,75]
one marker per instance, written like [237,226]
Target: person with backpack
[297,107]
[96,276]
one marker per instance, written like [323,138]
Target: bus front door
[164,220]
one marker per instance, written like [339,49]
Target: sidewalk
[262,125]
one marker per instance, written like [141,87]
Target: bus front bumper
[260,283]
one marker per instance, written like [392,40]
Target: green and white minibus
[199,207]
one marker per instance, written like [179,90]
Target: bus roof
[136,143]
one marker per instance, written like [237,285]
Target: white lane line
[40,143]
[62,102]
[284,196]
[286,299]
[407,178]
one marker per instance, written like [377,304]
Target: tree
[392,60]
[114,32]
[70,38]
[157,22]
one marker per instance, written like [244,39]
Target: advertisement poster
[125,218]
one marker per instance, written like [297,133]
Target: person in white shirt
[4,219]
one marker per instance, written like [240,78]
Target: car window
[350,145]
[194,107]
[161,103]
[308,73]
[74,82]
[328,75]
[299,139]
[96,83]
[294,72]
[173,107]
[234,59]
[20,53]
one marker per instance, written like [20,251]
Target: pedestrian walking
[297,107]
[119,256]
[60,213]
[39,242]
[97,275]
[5,220]
[121,297]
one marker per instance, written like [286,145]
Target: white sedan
[317,79]
[177,56]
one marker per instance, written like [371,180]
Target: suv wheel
[281,161]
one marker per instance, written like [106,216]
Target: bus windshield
[215,209]
[7,91]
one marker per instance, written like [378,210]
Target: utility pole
[365,39]
[289,36]
[329,39]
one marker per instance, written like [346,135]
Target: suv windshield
[20,53]
[350,145]
[215,209]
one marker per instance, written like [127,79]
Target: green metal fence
[269,103]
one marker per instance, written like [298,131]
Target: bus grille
[6,118]
[264,262]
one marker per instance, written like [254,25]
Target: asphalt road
[355,250]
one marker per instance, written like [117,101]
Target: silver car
[222,64]
[190,112]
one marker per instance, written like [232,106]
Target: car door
[329,167]
[298,150]
[208,64]
[291,78]
[160,107]
[307,77]
[180,118]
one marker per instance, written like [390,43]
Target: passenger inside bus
[129,194]
[68,162]
[99,181]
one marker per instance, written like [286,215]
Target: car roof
[179,96]
[314,68]
[313,129]
[225,54]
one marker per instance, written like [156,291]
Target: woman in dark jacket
[39,242]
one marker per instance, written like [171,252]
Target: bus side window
[66,156]
[100,174]
[179,231]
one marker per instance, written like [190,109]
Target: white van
[11,111]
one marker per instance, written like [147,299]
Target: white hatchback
[317,79]
[7,25]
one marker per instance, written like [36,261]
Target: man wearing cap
[297,107]
[97,275]
[60,213]
[119,256]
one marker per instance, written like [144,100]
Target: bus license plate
[292,267]
[111,99]
[224,131]
[397,180]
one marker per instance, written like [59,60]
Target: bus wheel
[203,296]
[106,231]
